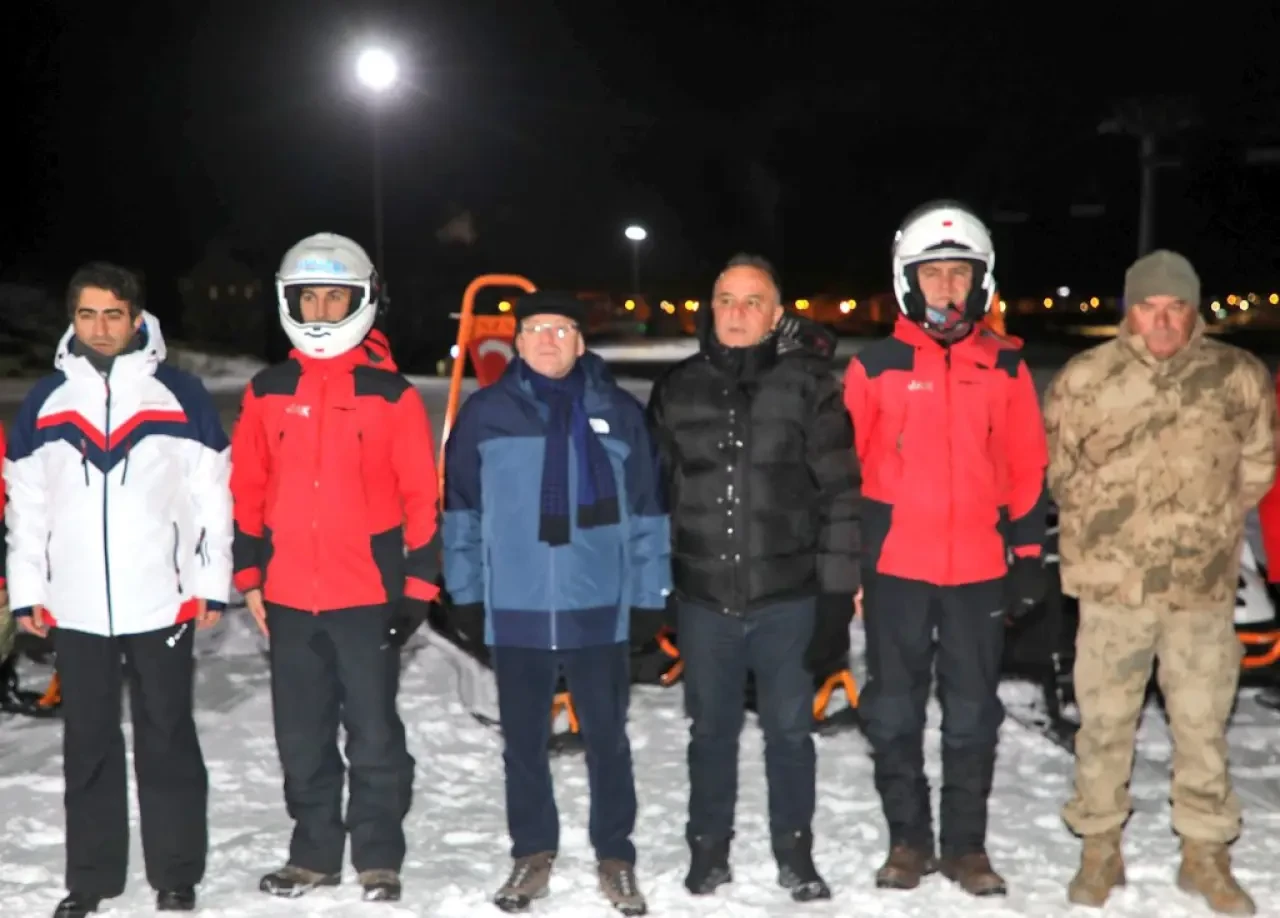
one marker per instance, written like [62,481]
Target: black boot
[77,905]
[178,899]
[708,865]
[794,853]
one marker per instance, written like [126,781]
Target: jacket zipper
[48,557]
[742,519]
[951,467]
[315,528]
[555,639]
[84,459]
[106,479]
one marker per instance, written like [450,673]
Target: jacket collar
[1136,346]
[139,361]
[980,346]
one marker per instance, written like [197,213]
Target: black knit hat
[552,303]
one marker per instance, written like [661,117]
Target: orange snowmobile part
[469,326]
[672,675]
[842,679]
[1268,639]
[563,702]
[52,696]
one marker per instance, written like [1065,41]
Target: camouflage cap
[1162,273]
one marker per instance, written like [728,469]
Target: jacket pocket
[177,569]
[48,559]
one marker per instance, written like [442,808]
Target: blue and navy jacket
[535,595]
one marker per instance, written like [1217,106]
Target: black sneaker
[178,899]
[77,905]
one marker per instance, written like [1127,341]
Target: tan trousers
[8,630]
[1199,670]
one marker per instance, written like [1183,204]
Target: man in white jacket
[119,544]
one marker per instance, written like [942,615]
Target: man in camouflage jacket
[1159,442]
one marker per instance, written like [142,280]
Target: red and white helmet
[328,260]
[943,231]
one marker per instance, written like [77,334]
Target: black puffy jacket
[762,477]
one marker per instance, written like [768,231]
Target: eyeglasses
[560,331]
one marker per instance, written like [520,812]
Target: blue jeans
[718,650]
[600,681]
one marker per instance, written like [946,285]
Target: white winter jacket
[119,501]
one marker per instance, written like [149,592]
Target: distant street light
[637,234]
[378,71]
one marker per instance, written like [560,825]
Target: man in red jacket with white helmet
[335,550]
[948,430]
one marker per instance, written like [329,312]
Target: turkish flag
[490,356]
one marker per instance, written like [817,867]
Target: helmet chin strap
[947,323]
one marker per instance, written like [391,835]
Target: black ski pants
[901,617]
[172,781]
[336,668]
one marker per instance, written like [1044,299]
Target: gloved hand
[1025,586]
[645,625]
[830,639]
[407,618]
[468,621]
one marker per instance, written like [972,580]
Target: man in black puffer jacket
[763,484]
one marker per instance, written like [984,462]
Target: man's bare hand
[205,617]
[857,604]
[36,623]
[258,609]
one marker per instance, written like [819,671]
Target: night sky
[141,131]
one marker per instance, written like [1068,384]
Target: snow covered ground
[458,844]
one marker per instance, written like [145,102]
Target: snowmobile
[16,700]
[488,340]
[1042,646]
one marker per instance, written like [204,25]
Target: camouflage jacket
[1154,465]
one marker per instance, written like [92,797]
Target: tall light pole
[378,72]
[1150,120]
[637,234]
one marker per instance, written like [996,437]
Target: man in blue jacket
[554,533]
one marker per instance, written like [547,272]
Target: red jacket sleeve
[250,473]
[1269,518]
[413,461]
[861,407]
[1028,458]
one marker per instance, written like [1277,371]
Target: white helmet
[943,230]
[328,260]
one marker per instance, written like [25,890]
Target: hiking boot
[380,885]
[530,879]
[905,867]
[1101,870]
[1206,872]
[289,881]
[618,883]
[796,872]
[973,873]
[708,865]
